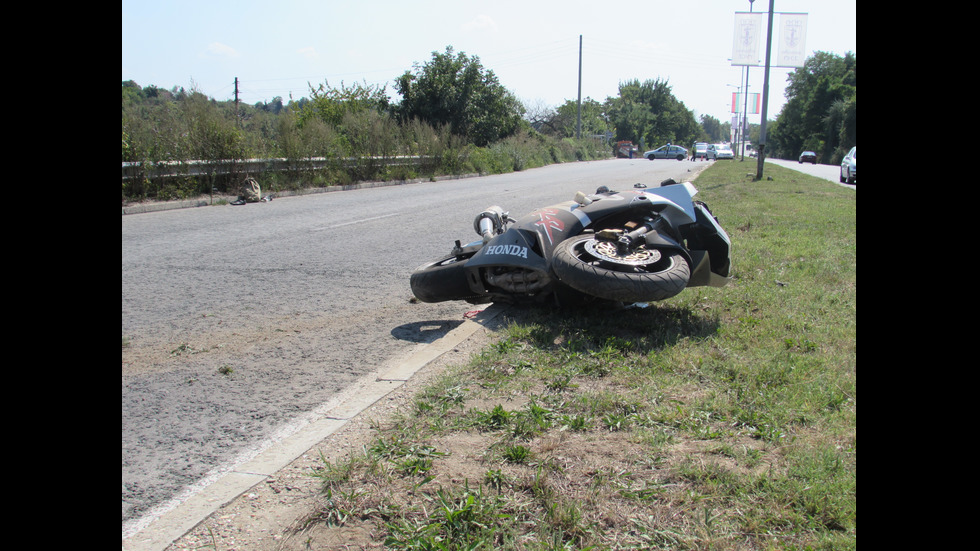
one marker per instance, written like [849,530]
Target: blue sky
[280,48]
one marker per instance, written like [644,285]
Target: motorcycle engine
[518,280]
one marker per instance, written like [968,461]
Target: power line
[641,59]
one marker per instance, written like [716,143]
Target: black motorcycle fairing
[656,240]
[710,249]
[509,264]
[514,247]
[516,262]
[532,238]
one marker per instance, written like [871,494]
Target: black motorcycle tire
[578,269]
[442,280]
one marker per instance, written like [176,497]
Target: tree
[541,116]
[274,107]
[331,104]
[714,131]
[131,93]
[594,119]
[338,119]
[562,122]
[648,113]
[454,90]
[821,109]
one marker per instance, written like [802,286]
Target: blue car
[667,152]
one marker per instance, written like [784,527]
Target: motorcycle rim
[592,267]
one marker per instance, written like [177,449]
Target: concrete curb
[157,532]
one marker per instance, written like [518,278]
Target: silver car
[849,166]
[700,151]
[667,152]
[720,151]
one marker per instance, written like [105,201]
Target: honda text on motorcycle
[640,245]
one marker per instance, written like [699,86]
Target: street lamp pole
[765,99]
[745,109]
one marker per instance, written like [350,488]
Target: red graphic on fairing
[549,222]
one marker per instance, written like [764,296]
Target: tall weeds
[190,127]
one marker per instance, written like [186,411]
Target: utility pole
[238,117]
[578,127]
[765,99]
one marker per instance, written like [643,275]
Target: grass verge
[720,418]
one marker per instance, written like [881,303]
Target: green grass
[720,418]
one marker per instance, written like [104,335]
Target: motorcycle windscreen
[679,194]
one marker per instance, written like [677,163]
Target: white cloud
[217,49]
[308,52]
[482,22]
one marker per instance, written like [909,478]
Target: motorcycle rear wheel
[442,280]
[627,281]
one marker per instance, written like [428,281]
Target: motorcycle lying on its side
[640,245]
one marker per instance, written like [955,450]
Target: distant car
[721,151]
[808,157]
[700,151]
[667,152]
[849,167]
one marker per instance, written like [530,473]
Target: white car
[849,166]
[720,151]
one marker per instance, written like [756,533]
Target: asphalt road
[236,320]
[827,172]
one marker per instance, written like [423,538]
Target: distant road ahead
[827,172]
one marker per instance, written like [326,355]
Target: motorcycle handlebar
[491,222]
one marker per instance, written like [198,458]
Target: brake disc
[606,250]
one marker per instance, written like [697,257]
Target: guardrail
[169,169]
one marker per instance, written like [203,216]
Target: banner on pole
[790,48]
[748,34]
[754,106]
[792,40]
